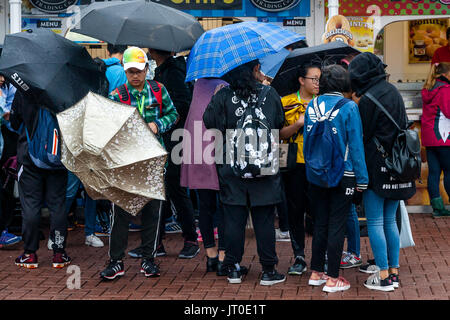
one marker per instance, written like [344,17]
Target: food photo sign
[425,36]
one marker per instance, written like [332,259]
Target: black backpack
[104,83]
[252,153]
[403,162]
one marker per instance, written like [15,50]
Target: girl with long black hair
[239,195]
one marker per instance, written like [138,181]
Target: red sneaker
[60,260]
[28,261]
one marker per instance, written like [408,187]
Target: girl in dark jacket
[381,199]
[239,195]
[436,133]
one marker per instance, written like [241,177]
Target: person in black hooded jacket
[171,72]
[381,199]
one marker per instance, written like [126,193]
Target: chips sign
[53,6]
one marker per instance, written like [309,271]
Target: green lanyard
[141,105]
[299,98]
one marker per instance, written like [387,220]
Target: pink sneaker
[339,284]
[318,282]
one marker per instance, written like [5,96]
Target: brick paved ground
[425,273]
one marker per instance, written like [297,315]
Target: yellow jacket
[293,108]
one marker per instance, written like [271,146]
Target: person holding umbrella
[158,111]
[38,184]
[241,190]
[45,81]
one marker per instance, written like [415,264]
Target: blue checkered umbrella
[222,49]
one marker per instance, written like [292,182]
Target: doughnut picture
[338,29]
[425,37]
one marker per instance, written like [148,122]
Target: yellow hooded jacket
[293,108]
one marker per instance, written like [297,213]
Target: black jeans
[37,186]
[209,207]
[235,220]
[150,220]
[296,187]
[330,207]
[181,201]
[438,159]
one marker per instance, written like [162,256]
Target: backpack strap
[262,95]
[337,106]
[378,103]
[124,94]
[157,92]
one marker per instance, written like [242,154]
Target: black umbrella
[55,71]
[286,82]
[141,23]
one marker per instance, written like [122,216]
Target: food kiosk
[404,34]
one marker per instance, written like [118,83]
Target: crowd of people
[342,97]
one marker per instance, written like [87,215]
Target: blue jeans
[382,229]
[353,236]
[90,206]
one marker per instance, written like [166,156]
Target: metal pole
[333,8]
[15,11]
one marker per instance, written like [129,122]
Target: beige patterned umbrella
[113,151]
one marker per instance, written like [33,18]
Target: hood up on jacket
[428,95]
[366,70]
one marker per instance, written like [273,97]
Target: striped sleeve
[169,115]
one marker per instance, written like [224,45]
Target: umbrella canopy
[140,23]
[113,151]
[272,63]
[56,72]
[222,49]
[286,82]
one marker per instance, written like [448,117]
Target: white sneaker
[93,241]
[49,244]
[282,236]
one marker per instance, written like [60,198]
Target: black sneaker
[234,275]
[395,280]
[113,270]
[298,267]
[374,282]
[211,264]
[149,268]
[223,271]
[190,250]
[136,253]
[160,251]
[271,277]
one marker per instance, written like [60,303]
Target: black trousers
[150,220]
[296,188]
[7,185]
[182,202]
[210,207]
[36,187]
[235,220]
[330,207]
[282,210]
